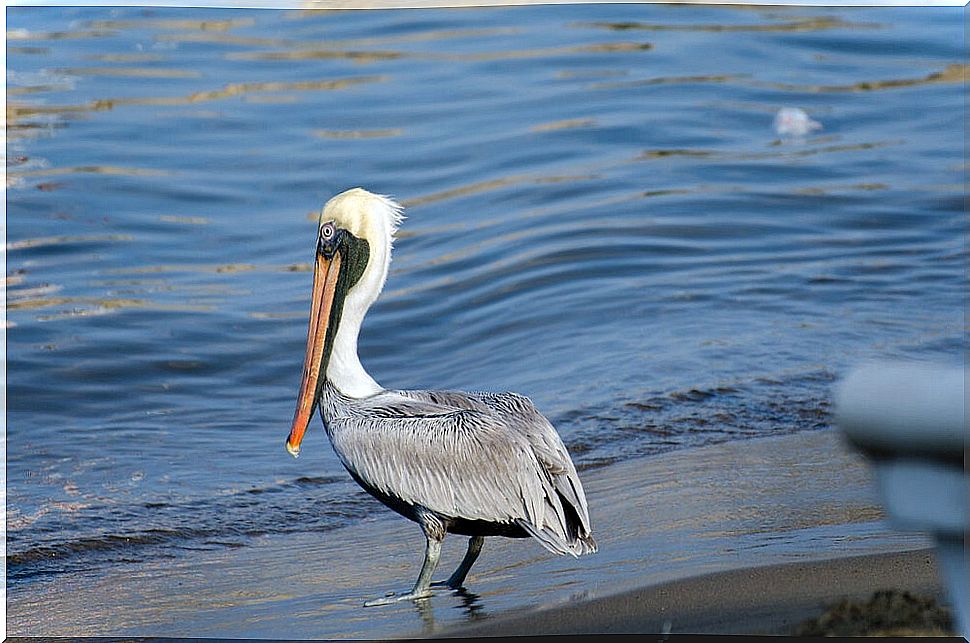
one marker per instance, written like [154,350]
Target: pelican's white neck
[344,370]
[374,219]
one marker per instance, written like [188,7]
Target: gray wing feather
[549,449]
[482,456]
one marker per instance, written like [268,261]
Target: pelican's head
[353,253]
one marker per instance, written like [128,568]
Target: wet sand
[773,599]
[789,500]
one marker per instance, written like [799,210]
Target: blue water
[600,216]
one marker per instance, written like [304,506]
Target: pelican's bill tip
[292,450]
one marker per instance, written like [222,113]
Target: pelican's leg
[422,587]
[456,580]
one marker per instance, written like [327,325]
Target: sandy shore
[772,599]
[679,524]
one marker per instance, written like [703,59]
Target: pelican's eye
[327,231]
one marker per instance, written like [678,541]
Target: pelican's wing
[519,411]
[565,504]
[453,454]
[456,462]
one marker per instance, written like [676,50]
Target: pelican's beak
[325,274]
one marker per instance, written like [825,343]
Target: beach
[768,600]
[745,536]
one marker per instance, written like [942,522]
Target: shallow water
[800,497]
[599,216]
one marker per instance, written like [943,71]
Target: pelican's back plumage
[473,459]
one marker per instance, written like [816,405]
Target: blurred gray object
[910,419]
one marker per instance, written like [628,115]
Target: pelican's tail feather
[569,515]
[563,531]
[557,544]
[584,545]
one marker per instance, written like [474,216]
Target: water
[599,217]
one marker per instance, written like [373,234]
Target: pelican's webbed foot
[450,584]
[394,598]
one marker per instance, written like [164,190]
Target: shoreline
[765,600]
[660,521]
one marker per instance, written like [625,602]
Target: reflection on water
[351,134]
[65,239]
[598,216]
[16,112]
[564,124]
[161,23]
[470,605]
[90,169]
[820,23]
[486,186]
[953,73]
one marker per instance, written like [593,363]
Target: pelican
[474,464]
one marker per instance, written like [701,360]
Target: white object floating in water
[793,121]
